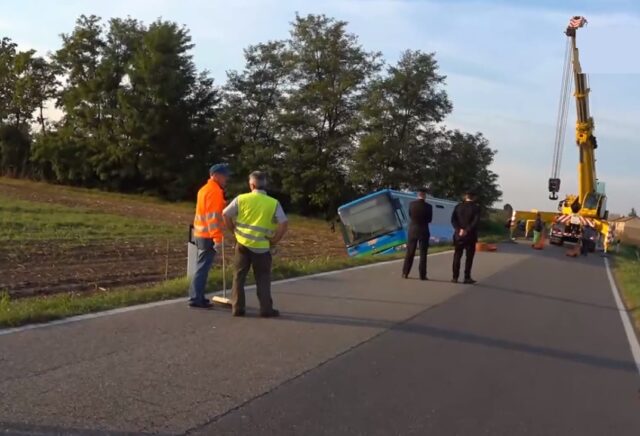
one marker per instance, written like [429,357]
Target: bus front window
[369,219]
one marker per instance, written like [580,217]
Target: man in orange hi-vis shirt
[207,231]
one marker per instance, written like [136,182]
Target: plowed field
[58,239]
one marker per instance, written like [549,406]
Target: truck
[377,223]
[586,211]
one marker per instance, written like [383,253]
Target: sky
[503,61]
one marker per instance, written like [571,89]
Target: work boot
[206,304]
[273,313]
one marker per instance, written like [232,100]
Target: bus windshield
[369,219]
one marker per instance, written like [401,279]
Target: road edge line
[629,330]
[136,307]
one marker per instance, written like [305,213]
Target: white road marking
[120,310]
[624,315]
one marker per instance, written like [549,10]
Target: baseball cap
[220,168]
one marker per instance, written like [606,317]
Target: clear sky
[503,60]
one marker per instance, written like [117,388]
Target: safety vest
[255,220]
[208,220]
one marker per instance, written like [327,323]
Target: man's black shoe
[273,313]
[239,312]
[201,304]
[469,282]
[454,280]
[424,278]
[405,276]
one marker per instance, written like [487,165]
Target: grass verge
[48,308]
[626,268]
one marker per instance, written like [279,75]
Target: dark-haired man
[465,220]
[421,214]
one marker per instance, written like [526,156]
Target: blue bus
[377,223]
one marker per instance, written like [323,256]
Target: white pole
[224,273]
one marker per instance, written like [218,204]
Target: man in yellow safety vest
[258,223]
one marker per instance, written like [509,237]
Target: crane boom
[584,124]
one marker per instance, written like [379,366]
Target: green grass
[22,220]
[626,266]
[42,309]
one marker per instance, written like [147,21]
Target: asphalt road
[536,348]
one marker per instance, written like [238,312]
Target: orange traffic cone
[481,246]
[574,252]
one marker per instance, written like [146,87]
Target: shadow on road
[489,288]
[345,298]
[415,327]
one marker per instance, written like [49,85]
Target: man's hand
[273,241]
[280,231]
[462,232]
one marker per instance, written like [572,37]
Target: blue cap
[220,169]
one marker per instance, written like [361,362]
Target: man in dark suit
[420,213]
[465,220]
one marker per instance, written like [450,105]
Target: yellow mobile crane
[588,207]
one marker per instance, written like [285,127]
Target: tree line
[325,118]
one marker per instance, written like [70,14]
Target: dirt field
[53,264]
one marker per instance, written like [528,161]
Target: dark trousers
[412,244]
[244,260]
[206,254]
[470,248]
[584,246]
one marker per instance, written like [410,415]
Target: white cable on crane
[565,112]
[563,108]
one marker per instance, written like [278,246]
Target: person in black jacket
[465,220]
[420,213]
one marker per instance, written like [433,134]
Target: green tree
[8,50]
[169,110]
[250,128]
[633,212]
[25,97]
[330,71]
[137,115]
[25,84]
[400,114]
[462,164]
[70,152]
[14,150]
[45,87]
